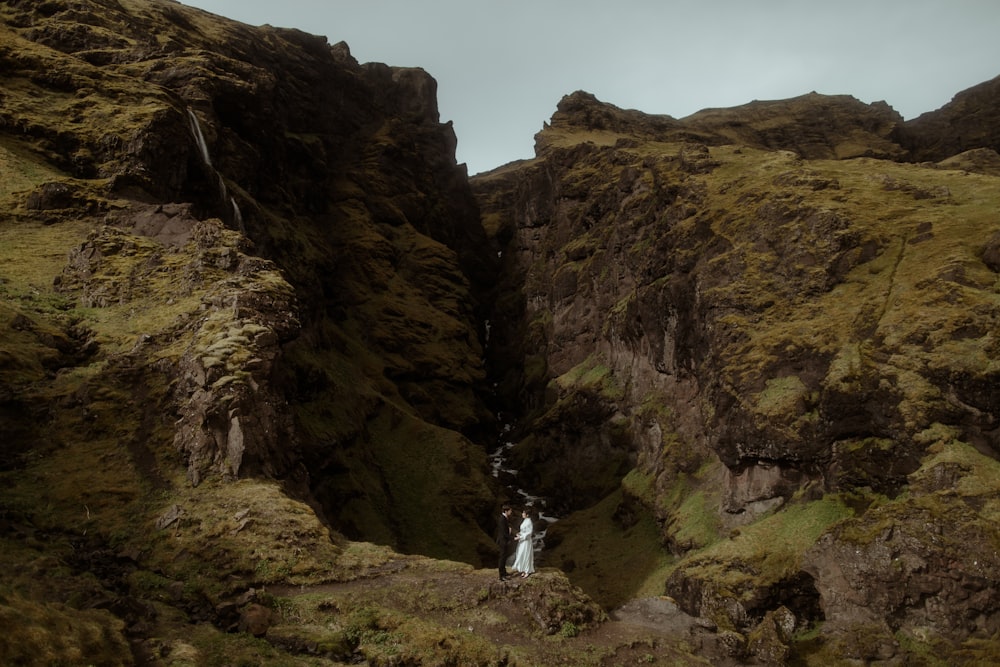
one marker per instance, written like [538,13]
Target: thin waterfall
[238,216]
[228,202]
[199,139]
[498,463]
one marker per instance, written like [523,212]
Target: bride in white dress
[524,559]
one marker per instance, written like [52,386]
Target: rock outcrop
[967,123]
[349,233]
[258,333]
[769,318]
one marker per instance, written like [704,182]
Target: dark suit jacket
[503,532]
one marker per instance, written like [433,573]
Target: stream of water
[206,158]
[522,497]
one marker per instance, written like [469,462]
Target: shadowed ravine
[521,498]
[259,332]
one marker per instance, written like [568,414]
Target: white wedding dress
[524,558]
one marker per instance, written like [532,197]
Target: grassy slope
[108,554]
[924,304]
[83,495]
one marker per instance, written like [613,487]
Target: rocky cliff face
[967,123]
[747,355]
[232,253]
[779,332]
[359,259]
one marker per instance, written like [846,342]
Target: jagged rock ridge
[246,290]
[242,285]
[772,330]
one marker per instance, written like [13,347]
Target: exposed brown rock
[967,122]
[680,264]
[246,299]
[256,619]
[813,126]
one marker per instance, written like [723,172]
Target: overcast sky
[503,65]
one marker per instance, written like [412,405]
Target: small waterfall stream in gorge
[228,201]
[521,498]
[508,477]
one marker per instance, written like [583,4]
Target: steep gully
[508,476]
[500,468]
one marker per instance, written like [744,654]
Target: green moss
[847,369]
[248,529]
[697,520]
[766,551]
[619,310]
[592,374]
[639,485]
[978,651]
[981,473]
[569,629]
[220,342]
[921,647]
[855,644]
[781,396]
[204,645]
[610,562]
[53,634]
[22,170]
[450,478]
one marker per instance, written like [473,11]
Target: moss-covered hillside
[766,330]
[322,330]
[247,392]
[239,281]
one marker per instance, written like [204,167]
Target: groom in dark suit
[503,540]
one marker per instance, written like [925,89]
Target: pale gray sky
[503,65]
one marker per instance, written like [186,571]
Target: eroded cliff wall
[246,296]
[768,328]
[271,248]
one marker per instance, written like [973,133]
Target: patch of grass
[569,629]
[32,254]
[203,644]
[594,375]
[769,550]
[921,645]
[22,171]
[978,651]
[697,520]
[981,473]
[54,634]
[450,478]
[639,485]
[781,396]
[89,488]
[249,529]
[688,505]
[611,563]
